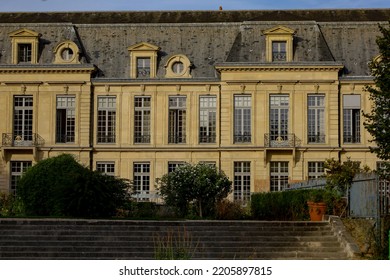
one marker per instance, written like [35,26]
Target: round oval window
[67,54]
[178,67]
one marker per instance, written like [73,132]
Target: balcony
[281,141]
[316,138]
[177,138]
[207,138]
[243,138]
[28,140]
[141,139]
[351,138]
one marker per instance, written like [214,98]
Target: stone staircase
[122,239]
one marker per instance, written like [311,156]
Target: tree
[200,185]
[377,121]
[339,175]
[60,186]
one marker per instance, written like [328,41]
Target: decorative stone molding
[178,66]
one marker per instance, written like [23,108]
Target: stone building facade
[266,96]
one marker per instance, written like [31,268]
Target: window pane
[242,180]
[177,119]
[142,120]
[316,118]
[242,119]
[143,67]
[106,119]
[207,119]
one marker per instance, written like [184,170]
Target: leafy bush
[60,186]
[10,206]
[200,186]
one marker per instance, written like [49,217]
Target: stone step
[122,239]
[147,244]
[135,234]
[146,255]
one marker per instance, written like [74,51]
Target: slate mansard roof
[207,38]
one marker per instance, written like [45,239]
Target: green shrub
[10,205]
[290,205]
[60,186]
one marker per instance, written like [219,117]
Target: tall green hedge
[291,205]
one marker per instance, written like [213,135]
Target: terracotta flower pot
[317,210]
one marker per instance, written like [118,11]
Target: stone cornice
[241,67]
[48,69]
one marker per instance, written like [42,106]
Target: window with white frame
[279,51]
[142,119]
[23,119]
[315,169]
[242,118]
[141,180]
[177,119]
[65,119]
[279,175]
[316,118]
[279,110]
[143,67]
[106,167]
[106,119]
[207,119]
[24,53]
[17,170]
[351,118]
[242,180]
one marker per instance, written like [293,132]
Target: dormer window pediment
[279,30]
[143,47]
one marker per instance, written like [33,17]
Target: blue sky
[136,5]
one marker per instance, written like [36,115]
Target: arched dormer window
[279,44]
[66,52]
[178,66]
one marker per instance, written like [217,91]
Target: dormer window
[24,46]
[279,44]
[143,61]
[178,66]
[67,52]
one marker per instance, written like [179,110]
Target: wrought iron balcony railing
[280,141]
[101,139]
[177,138]
[242,138]
[207,138]
[26,140]
[351,138]
[141,139]
[316,138]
